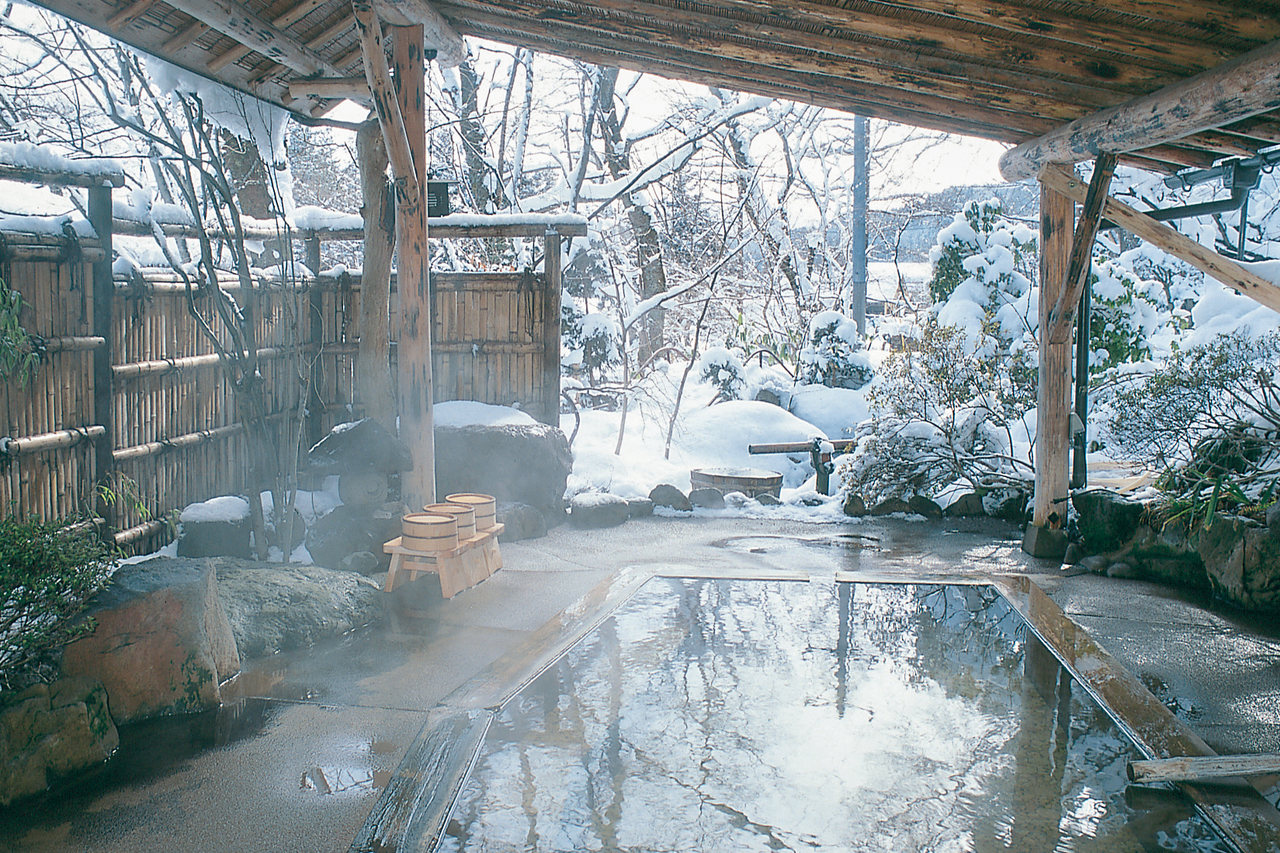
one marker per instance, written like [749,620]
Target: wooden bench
[475,559]
[821,458]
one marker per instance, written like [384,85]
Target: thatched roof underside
[1008,70]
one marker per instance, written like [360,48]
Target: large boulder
[162,643]
[596,509]
[667,495]
[214,528]
[1106,520]
[53,730]
[520,463]
[274,607]
[1242,560]
[362,446]
[520,521]
[348,530]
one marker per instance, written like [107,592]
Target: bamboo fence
[130,393]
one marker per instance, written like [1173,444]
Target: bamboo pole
[55,440]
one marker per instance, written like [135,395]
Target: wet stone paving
[759,715]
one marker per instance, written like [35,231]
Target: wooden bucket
[465,515]
[750,481]
[429,532]
[484,505]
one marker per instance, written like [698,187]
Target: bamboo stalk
[55,440]
[161,366]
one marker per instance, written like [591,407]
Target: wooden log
[352,88]
[55,440]
[128,13]
[183,37]
[373,364]
[1063,312]
[1246,86]
[437,32]
[291,14]
[1166,238]
[1053,396]
[395,133]
[1200,768]
[258,35]
[414,354]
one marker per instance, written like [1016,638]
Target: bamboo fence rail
[130,394]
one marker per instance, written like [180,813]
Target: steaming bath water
[708,715]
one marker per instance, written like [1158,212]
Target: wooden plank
[1053,397]
[1197,768]
[1063,312]
[414,351]
[1243,87]
[1162,236]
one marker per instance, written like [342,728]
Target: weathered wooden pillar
[315,330]
[414,353]
[1044,536]
[551,330]
[104,297]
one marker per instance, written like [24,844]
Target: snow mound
[225,508]
[456,413]
[718,436]
[835,411]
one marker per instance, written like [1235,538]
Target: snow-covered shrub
[1210,415]
[976,229]
[1124,314]
[941,413]
[722,368]
[592,340]
[833,355]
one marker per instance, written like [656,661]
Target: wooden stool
[476,558]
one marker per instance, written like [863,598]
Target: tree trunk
[484,184]
[373,364]
[653,274]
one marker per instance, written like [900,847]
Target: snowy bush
[1211,416]
[978,229]
[833,355]
[592,340]
[723,369]
[1124,314]
[942,413]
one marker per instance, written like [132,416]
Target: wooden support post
[551,330]
[315,307]
[1077,275]
[1044,537]
[414,354]
[104,292]
[1080,451]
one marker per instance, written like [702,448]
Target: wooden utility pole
[1045,537]
[414,356]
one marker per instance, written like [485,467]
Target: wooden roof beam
[291,14]
[1246,86]
[351,88]
[438,33]
[1163,237]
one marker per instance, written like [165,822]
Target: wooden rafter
[1243,87]
[1163,237]
[255,34]
[1064,309]
[354,88]
[289,15]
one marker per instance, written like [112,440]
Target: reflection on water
[749,715]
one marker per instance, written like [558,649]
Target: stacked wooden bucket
[456,539]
